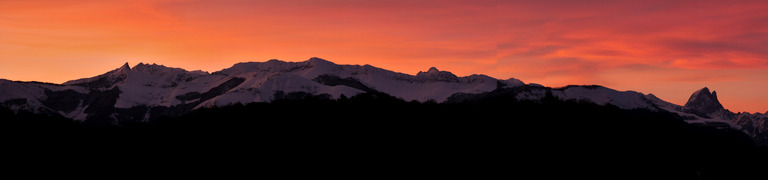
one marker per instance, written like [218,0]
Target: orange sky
[669,48]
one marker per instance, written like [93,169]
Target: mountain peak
[125,66]
[319,61]
[703,90]
[432,70]
[121,71]
[155,68]
[104,80]
[124,69]
[703,102]
[436,75]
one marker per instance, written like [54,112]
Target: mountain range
[146,92]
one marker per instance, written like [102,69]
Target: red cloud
[626,44]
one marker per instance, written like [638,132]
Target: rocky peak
[433,75]
[104,80]
[703,102]
[125,67]
[121,71]
[155,69]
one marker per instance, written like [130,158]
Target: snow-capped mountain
[703,107]
[144,91]
[708,108]
[148,86]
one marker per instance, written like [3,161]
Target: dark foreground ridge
[374,132]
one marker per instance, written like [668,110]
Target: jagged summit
[124,69]
[125,66]
[703,102]
[155,69]
[433,75]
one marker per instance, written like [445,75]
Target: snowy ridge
[433,84]
[147,90]
[602,96]
[152,85]
[591,93]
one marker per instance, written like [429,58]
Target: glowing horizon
[668,48]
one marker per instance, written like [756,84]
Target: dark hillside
[575,139]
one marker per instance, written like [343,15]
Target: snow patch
[603,96]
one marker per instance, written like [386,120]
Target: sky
[668,48]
